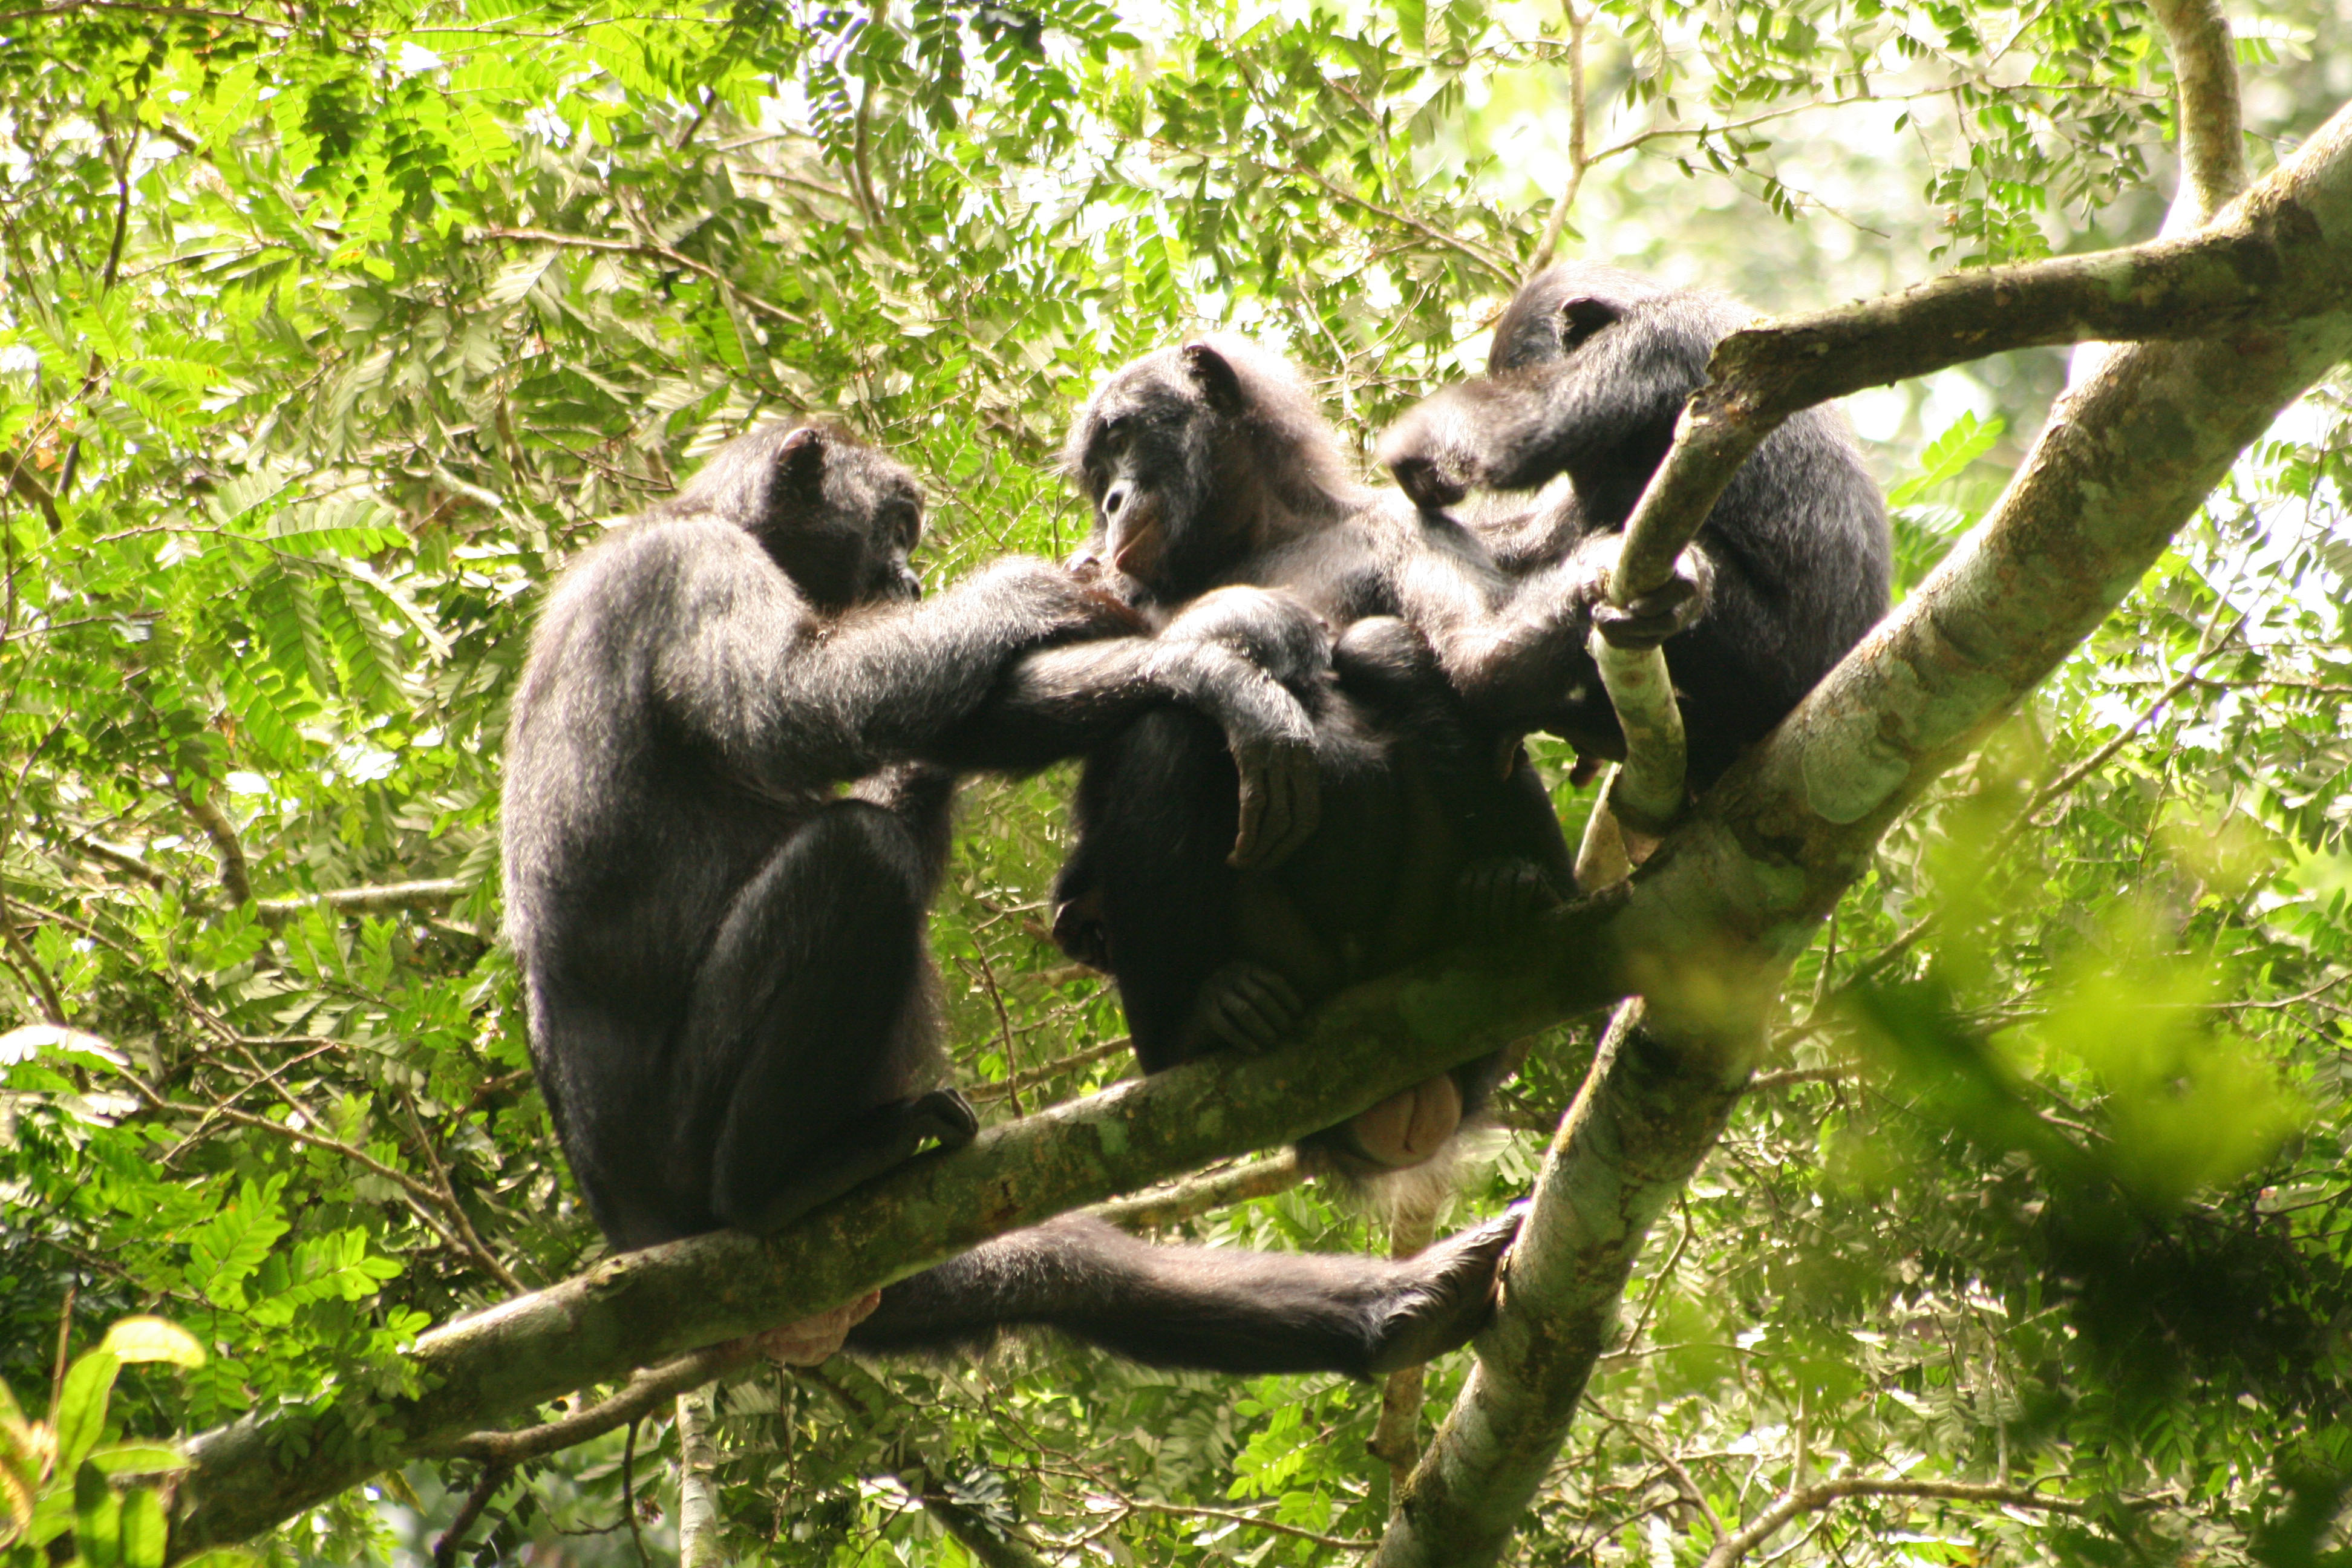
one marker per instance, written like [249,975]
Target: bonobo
[1590,369]
[1209,465]
[724,961]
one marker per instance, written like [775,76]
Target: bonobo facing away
[1590,369]
[1207,465]
[730,995]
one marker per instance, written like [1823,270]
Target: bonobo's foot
[1495,898]
[1248,1007]
[943,1114]
[1403,1130]
[814,1339]
[1661,614]
[882,1139]
[1440,1298]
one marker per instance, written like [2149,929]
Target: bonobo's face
[1559,312]
[841,518]
[1145,451]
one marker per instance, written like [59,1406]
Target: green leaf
[154,1339]
[98,1519]
[143,1530]
[81,1405]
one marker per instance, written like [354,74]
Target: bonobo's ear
[1581,317]
[1213,374]
[801,456]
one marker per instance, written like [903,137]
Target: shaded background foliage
[331,329]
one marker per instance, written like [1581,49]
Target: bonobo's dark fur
[1590,369]
[1209,465]
[724,961]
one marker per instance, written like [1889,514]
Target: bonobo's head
[838,516]
[1589,368]
[1197,457]
[1562,308]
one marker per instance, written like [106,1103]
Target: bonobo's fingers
[1495,898]
[1282,800]
[1440,1298]
[1250,1008]
[945,1115]
[1657,616]
[814,1339]
[1586,768]
[1408,1128]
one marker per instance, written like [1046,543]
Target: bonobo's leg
[805,1044]
[1217,1308]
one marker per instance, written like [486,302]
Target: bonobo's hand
[1495,898]
[1664,612]
[1079,931]
[1440,1297]
[1413,450]
[1242,655]
[1047,604]
[1248,1007]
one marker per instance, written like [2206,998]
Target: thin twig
[453,1540]
[1577,161]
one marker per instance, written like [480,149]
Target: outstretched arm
[1239,656]
[793,700]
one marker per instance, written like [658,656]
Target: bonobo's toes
[946,1115]
[1495,898]
[1281,802]
[1250,1008]
[1441,1298]
[1653,617]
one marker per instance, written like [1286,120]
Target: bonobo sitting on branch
[1590,369]
[1210,466]
[730,999]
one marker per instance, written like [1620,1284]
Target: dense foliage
[329,329]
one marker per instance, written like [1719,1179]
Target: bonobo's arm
[793,700]
[1236,654]
[1512,653]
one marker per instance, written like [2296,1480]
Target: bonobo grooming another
[1590,369]
[1207,465]
[730,1001]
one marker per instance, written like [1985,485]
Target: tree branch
[2212,132]
[1655,1101]
[433,893]
[645,1391]
[698,1501]
[1164,1207]
[1808,1499]
[640,1307]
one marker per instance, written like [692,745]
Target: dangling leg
[1216,1308]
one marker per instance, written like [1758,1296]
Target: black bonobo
[1590,369]
[730,995]
[1209,465]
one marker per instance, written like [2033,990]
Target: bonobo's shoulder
[665,557]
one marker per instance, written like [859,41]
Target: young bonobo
[730,997]
[1590,369]
[1208,465]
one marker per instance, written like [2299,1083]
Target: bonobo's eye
[1112,440]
